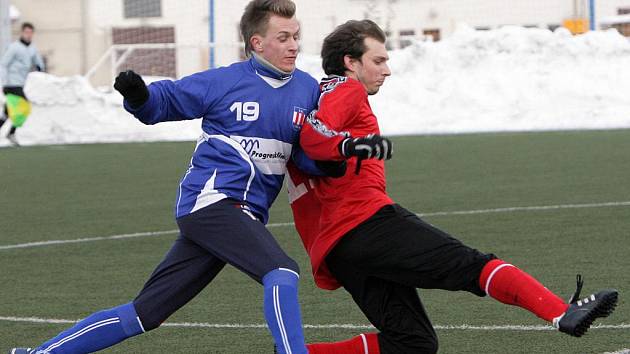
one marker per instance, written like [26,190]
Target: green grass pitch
[82,191]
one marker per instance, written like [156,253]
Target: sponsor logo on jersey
[249,145]
[269,155]
[265,156]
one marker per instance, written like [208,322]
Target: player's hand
[334,169]
[132,87]
[367,147]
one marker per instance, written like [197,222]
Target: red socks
[512,286]
[499,280]
[361,344]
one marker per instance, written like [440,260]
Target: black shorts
[382,261]
[14,90]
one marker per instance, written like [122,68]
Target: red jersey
[325,209]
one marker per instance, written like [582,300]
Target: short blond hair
[256,17]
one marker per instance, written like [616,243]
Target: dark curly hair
[348,39]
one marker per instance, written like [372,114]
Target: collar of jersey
[265,68]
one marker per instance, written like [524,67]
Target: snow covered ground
[510,79]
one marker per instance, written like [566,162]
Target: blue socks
[98,331]
[108,327]
[282,311]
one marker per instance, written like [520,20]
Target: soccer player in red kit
[359,239]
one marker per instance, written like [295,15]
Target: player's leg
[18,91]
[4,116]
[185,271]
[394,309]
[11,136]
[231,232]
[427,257]
[510,285]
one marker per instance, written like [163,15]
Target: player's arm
[322,137]
[315,167]
[165,100]
[7,57]
[319,141]
[38,62]
[323,131]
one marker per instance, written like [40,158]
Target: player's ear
[350,63]
[256,43]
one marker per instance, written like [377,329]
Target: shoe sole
[604,308]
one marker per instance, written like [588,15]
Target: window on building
[146,61]
[388,42]
[623,11]
[623,28]
[405,38]
[142,8]
[434,33]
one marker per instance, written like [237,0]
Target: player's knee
[149,318]
[287,264]
[293,266]
[149,323]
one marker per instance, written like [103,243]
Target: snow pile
[510,79]
[68,110]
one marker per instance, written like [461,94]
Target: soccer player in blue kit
[252,114]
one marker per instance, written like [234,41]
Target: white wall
[318,18]
[74,34]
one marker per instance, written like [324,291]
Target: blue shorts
[222,233]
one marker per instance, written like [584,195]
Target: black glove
[132,87]
[332,169]
[367,147]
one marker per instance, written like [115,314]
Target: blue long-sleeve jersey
[252,116]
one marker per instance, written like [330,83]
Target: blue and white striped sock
[282,311]
[98,331]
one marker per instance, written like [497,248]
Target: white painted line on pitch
[284,224]
[355,326]
[322,326]
[113,237]
[528,208]
[88,239]
[622,351]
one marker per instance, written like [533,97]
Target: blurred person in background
[20,58]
